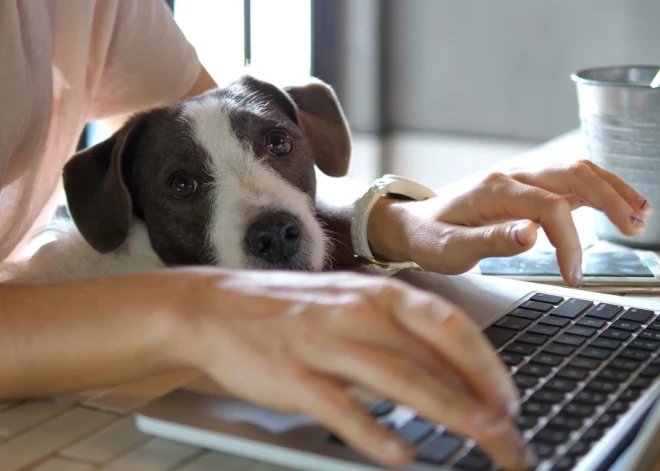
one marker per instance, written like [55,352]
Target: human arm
[497,217]
[287,341]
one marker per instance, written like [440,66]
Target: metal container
[620,119]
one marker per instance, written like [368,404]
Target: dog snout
[274,236]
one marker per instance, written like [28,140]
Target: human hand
[500,216]
[297,342]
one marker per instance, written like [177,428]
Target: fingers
[334,408]
[597,188]
[451,333]
[460,248]
[404,382]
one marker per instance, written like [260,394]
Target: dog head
[225,178]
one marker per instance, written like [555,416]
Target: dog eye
[182,186]
[278,143]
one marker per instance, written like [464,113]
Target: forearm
[335,200]
[69,337]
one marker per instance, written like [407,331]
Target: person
[290,341]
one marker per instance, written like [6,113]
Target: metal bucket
[620,119]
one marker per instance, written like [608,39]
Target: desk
[94,431]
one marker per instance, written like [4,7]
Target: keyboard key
[537,409]
[554,436]
[440,448]
[555,321]
[534,369]
[520,348]
[543,450]
[565,422]
[616,334]
[547,298]
[511,359]
[618,407]
[526,314]
[561,384]
[525,381]
[630,394]
[577,374]
[637,315]
[641,382]
[651,371]
[612,374]
[602,385]
[513,323]
[474,460]
[498,336]
[565,463]
[634,354]
[415,431]
[569,339]
[595,352]
[581,330]
[548,396]
[586,363]
[547,359]
[644,344]
[526,422]
[591,322]
[610,344]
[590,397]
[532,339]
[559,349]
[592,434]
[605,421]
[382,408]
[578,449]
[655,325]
[541,329]
[624,364]
[650,334]
[573,409]
[536,306]
[626,325]
[605,311]
[572,308]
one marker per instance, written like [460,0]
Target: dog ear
[314,107]
[324,125]
[97,193]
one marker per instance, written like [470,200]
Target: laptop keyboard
[578,365]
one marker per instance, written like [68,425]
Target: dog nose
[274,236]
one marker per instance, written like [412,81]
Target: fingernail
[521,231]
[577,276]
[394,448]
[486,421]
[527,457]
[641,201]
[512,406]
[637,220]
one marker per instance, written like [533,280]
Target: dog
[226,178]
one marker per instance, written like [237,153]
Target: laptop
[587,366]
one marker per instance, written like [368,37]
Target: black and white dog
[226,178]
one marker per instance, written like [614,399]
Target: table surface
[95,431]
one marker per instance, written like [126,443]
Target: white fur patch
[243,187]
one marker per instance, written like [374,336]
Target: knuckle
[582,168]
[495,178]
[556,204]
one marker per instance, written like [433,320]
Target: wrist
[386,230]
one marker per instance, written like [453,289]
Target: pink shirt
[66,62]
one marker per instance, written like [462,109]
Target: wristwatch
[387,185]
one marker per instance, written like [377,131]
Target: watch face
[596,264]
